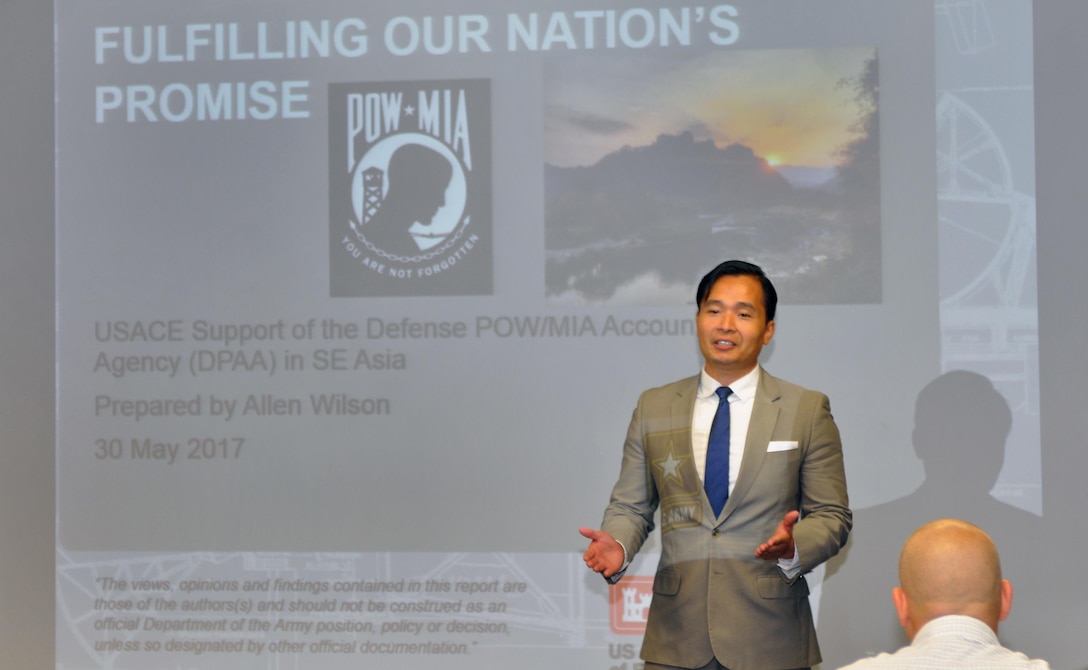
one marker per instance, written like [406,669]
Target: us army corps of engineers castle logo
[410,188]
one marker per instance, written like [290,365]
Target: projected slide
[354,300]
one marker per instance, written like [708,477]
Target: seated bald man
[950,600]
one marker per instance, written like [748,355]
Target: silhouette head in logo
[417,178]
[961,424]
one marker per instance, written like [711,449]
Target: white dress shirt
[952,641]
[740,415]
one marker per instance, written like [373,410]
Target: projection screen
[354,301]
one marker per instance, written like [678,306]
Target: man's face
[732,327]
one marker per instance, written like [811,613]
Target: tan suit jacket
[712,597]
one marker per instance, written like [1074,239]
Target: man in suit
[730,590]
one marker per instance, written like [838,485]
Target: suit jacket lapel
[680,410]
[683,405]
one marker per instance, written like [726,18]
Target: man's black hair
[733,268]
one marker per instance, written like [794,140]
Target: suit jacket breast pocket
[782,466]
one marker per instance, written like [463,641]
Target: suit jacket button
[714,532]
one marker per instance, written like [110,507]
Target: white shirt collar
[744,388]
[961,626]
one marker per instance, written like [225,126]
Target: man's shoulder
[776,387]
[880,662]
[678,387]
[863,664]
[769,384]
[900,660]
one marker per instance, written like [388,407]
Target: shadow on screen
[961,424]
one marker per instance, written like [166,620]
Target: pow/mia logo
[410,188]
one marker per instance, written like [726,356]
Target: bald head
[950,567]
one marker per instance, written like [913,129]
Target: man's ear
[902,609]
[1006,599]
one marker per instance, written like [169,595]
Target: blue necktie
[716,477]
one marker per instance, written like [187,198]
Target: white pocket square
[781,445]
